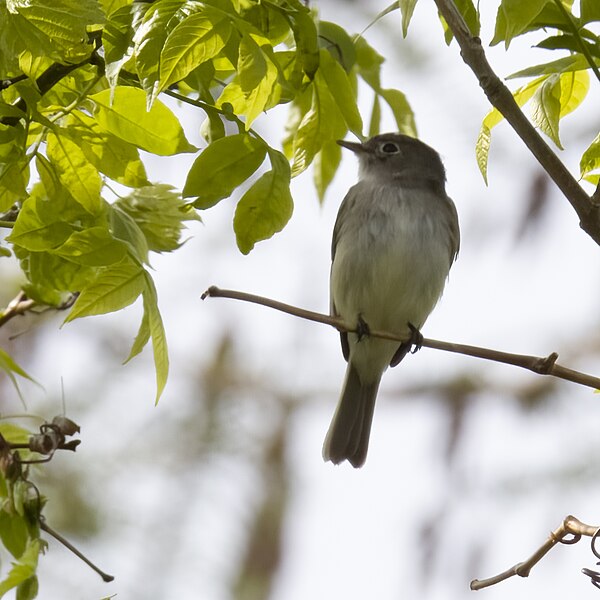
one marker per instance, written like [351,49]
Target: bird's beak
[356,147]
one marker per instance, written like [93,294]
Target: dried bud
[66,426]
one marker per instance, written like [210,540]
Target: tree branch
[540,365]
[500,97]
[569,526]
[21,304]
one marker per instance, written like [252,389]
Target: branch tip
[211,292]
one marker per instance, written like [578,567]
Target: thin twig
[44,527]
[537,364]
[500,96]
[20,305]
[569,526]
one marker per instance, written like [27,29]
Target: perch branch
[570,526]
[540,365]
[500,97]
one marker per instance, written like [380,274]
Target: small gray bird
[394,241]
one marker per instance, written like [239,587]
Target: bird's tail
[348,435]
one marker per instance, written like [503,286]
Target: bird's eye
[390,148]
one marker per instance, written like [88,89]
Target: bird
[395,239]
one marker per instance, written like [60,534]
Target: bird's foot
[362,328]
[412,345]
[415,340]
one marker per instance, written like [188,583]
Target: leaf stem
[7,224]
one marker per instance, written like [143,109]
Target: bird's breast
[391,260]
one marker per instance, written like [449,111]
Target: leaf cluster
[556,88]
[80,91]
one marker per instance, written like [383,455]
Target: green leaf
[375,122]
[159,213]
[369,63]
[52,276]
[14,433]
[117,42]
[149,39]
[341,90]
[52,28]
[325,166]
[340,45]
[574,87]
[403,114]
[482,150]
[13,181]
[11,368]
[13,531]
[546,108]
[198,38]
[142,337]
[305,35]
[28,589]
[590,11]
[590,161]
[482,147]
[562,65]
[568,41]
[76,173]
[94,247]
[23,569]
[157,131]
[298,109]
[111,155]
[272,23]
[323,122]
[252,63]
[266,207]
[513,18]
[124,228]
[407,8]
[43,223]
[255,100]
[114,288]
[159,339]
[221,167]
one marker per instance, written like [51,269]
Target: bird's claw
[415,340]
[362,328]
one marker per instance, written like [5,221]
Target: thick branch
[537,364]
[499,95]
[569,526]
